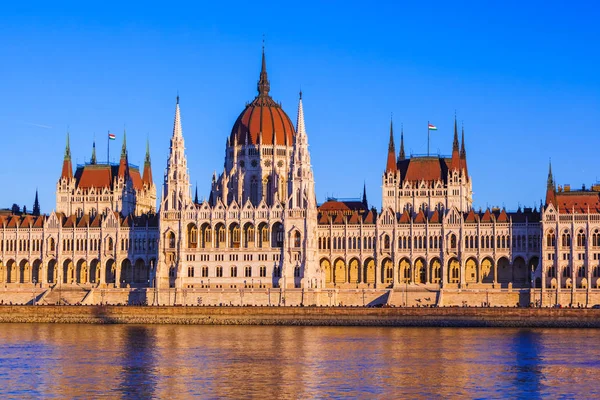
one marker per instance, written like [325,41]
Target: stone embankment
[305,316]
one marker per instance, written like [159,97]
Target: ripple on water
[144,361]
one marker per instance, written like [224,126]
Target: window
[171,240]
[204,272]
[297,272]
[190,272]
[248,272]
[233,272]
[219,272]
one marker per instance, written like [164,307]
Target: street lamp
[33,292]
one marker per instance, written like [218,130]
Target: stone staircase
[66,295]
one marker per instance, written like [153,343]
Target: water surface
[171,361]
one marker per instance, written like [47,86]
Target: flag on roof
[432,127]
[112,136]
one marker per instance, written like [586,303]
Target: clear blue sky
[523,76]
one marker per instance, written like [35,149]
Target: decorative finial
[177,96]
[300,94]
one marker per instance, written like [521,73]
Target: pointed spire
[402,155]
[36,204]
[300,129]
[196,195]
[364,196]
[391,158]
[550,188]
[263,83]
[93,159]
[147,176]
[147,158]
[124,147]
[67,168]
[455,163]
[455,142]
[550,182]
[177,122]
[68,149]
[463,152]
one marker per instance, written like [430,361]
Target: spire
[455,164]
[147,176]
[455,142]
[402,155]
[93,159]
[67,168]
[177,123]
[364,196]
[263,83]
[550,188]
[463,152]
[300,129]
[68,149]
[36,204]
[124,147]
[391,158]
[196,195]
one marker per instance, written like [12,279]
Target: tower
[66,184]
[176,186]
[391,177]
[175,199]
[300,221]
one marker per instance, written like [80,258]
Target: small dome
[263,117]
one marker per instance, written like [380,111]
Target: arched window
[581,238]
[386,242]
[453,241]
[192,233]
[170,240]
[297,239]
[190,272]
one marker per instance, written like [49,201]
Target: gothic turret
[123,164]
[147,175]
[176,187]
[36,205]
[93,160]
[67,168]
[455,164]
[391,157]
[401,155]
[550,187]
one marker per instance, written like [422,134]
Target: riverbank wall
[306,316]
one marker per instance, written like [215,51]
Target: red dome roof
[263,117]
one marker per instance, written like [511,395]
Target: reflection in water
[528,368]
[41,360]
[138,371]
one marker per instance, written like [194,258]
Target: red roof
[94,176]
[578,201]
[424,168]
[136,179]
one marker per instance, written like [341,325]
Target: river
[174,361]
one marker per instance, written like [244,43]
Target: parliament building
[261,237]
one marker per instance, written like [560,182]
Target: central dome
[263,120]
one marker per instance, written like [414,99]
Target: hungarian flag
[112,136]
[432,127]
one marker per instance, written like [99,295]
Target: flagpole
[108,147]
[427,138]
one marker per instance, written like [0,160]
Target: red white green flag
[432,127]
[112,136]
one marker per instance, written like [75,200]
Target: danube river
[172,361]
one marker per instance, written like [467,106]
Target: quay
[306,316]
